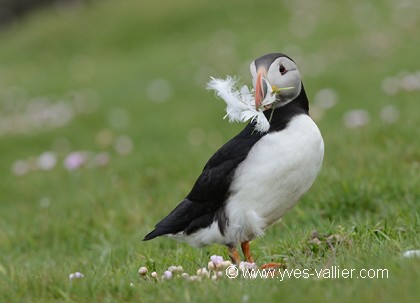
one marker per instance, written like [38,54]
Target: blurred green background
[105,123]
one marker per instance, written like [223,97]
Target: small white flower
[167,275]
[326,98]
[175,269]
[20,167]
[142,271]
[210,265]
[410,83]
[356,118]
[46,161]
[154,275]
[246,265]
[389,114]
[102,159]
[123,145]
[159,90]
[193,278]
[411,254]
[76,275]
[185,275]
[226,264]
[217,275]
[203,272]
[391,85]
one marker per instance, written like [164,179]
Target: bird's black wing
[211,189]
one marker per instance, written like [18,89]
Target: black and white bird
[256,177]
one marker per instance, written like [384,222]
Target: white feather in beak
[240,104]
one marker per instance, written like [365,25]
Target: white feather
[240,105]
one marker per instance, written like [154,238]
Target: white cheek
[290,94]
[273,75]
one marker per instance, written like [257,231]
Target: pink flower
[217,260]
[75,160]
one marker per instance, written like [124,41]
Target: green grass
[92,220]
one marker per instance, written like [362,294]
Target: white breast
[279,169]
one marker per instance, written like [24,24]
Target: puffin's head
[279,71]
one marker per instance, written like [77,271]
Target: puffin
[255,178]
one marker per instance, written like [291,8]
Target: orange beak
[260,90]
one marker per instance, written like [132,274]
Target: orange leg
[247,252]
[234,255]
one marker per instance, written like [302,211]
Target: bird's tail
[153,234]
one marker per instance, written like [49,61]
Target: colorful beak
[260,89]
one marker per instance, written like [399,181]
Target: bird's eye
[282,69]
